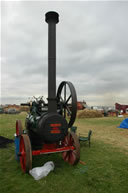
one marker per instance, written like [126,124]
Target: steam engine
[47,124]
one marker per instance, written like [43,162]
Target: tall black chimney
[52,18]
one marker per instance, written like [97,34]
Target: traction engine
[48,125]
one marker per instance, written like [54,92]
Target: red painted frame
[50,148]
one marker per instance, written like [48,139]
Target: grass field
[106,169]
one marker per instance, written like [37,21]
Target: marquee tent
[124,124]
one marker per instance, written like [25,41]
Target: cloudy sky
[92,50]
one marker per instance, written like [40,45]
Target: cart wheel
[19,128]
[25,153]
[72,157]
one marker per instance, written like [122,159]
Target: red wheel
[72,157]
[19,128]
[25,153]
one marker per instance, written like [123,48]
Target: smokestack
[52,18]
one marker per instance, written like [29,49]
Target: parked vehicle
[1,110]
[12,111]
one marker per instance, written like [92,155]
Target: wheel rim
[25,153]
[67,100]
[72,157]
[19,128]
[23,156]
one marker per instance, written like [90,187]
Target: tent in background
[124,124]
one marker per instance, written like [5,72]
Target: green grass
[106,169]
[101,121]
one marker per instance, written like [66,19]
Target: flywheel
[67,102]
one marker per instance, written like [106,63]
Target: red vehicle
[122,108]
[80,105]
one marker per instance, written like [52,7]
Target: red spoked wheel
[72,157]
[19,128]
[25,153]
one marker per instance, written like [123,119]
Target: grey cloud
[92,49]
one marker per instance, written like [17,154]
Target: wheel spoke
[68,99]
[70,113]
[66,140]
[65,155]
[61,99]
[64,113]
[71,140]
[72,158]
[65,93]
